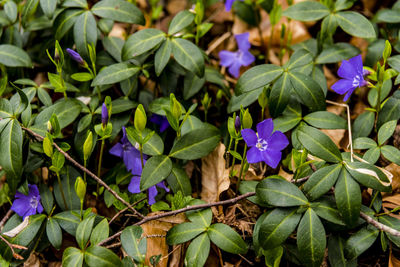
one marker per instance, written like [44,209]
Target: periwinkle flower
[242,57]
[26,205]
[104,115]
[161,121]
[265,145]
[352,73]
[75,56]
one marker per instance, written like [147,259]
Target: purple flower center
[33,202]
[262,144]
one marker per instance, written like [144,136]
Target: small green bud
[176,109]
[262,99]
[247,121]
[87,146]
[80,188]
[48,147]
[58,160]
[387,51]
[140,118]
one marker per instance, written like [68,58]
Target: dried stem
[76,164]
[12,246]
[5,218]
[379,225]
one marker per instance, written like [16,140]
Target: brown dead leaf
[55,264]
[393,261]
[32,261]
[287,176]
[395,170]
[174,6]
[155,231]
[118,30]
[213,180]
[338,136]
[250,175]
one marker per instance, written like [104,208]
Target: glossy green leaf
[388,15]
[13,56]
[54,233]
[336,52]
[113,45]
[201,216]
[188,56]
[326,209]
[355,24]
[280,95]
[72,257]
[48,7]
[192,85]
[394,62]
[372,155]
[299,58]
[390,111]
[100,232]
[319,144]
[85,32]
[306,11]
[325,120]
[386,131]
[198,250]
[245,100]
[364,143]
[281,193]
[257,77]
[118,10]
[141,42]
[155,170]
[180,21]
[75,3]
[277,227]
[133,244]
[68,185]
[64,21]
[322,181]
[361,241]
[336,253]
[178,180]
[196,144]
[96,256]
[289,118]
[368,175]
[83,231]
[162,56]
[311,240]
[391,153]
[348,197]
[363,124]
[226,239]
[115,73]
[46,198]
[68,220]
[11,10]
[184,232]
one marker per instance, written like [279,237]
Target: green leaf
[256,77]
[83,231]
[364,143]
[300,58]
[113,45]
[336,252]
[245,99]
[388,15]
[114,74]
[64,22]
[188,56]
[133,244]
[84,122]
[280,95]
[318,144]
[29,8]
[46,198]
[289,118]
[393,223]
[82,76]
[157,168]
[44,97]
[68,185]
[363,124]
[386,131]
[277,227]
[311,240]
[336,52]
[226,239]
[192,85]
[279,192]
[361,241]
[390,111]
[306,11]
[11,10]
[325,120]
[75,3]
[96,256]
[11,152]
[54,233]
[198,250]
[309,91]
[72,257]
[5,108]
[368,175]
[85,32]
[355,24]
[162,56]
[202,216]
[273,256]
[184,232]
[180,21]
[394,62]
[178,180]
[196,144]
[68,220]
[141,42]
[322,181]
[348,197]
[13,56]
[372,155]
[118,10]
[326,209]
[100,232]
[391,153]
[48,7]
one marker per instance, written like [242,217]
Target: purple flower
[228,4]
[130,155]
[75,56]
[353,74]
[237,123]
[134,187]
[26,205]
[265,145]
[242,57]
[104,115]
[161,121]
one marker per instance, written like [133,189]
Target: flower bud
[87,146]
[75,56]
[80,188]
[247,120]
[237,124]
[104,115]
[140,118]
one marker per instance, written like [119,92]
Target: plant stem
[84,174]
[61,190]
[234,159]
[99,166]
[241,168]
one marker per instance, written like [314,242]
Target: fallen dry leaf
[393,261]
[287,176]
[213,180]
[32,261]
[395,170]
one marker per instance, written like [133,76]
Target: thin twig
[114,245]
[5,218]
[219,41]
[379,225]
[76,164]
[12,246]
[125,209]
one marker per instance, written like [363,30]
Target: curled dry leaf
[393,261]
[394,169]
[32,261]
[213,178]
[288,177]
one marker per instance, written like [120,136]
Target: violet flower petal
[272,157]
[227,58]
[347,70]
[228,5]
[243,41]
[277,141]
[249,137]
[342,86]
[254,155]
[265,128]
[134,185]
[152,195]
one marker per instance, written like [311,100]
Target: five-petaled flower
[352,73]
[75,56]
[133,163]
[161,121]
[265,145]
[242,57]
[104,115]
[26,205]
